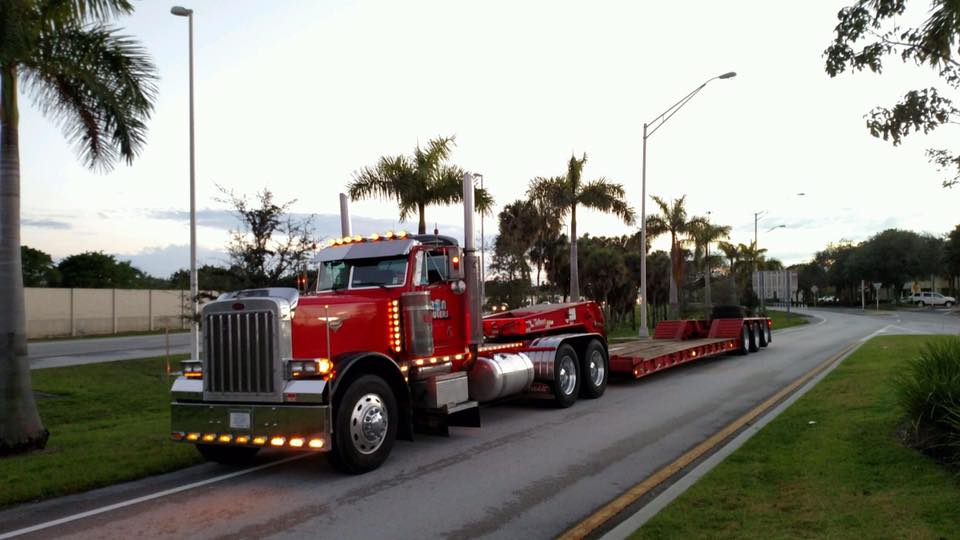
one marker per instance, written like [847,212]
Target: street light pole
[194,287]
[656,123]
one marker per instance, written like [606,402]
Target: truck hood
[353,322]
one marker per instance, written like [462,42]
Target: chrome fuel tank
[500,375]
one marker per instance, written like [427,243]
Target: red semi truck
[391,343]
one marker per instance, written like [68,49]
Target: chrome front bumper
[247,424]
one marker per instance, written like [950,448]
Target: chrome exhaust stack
[471,271]
[345,228]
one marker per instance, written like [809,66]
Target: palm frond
[99,86]
[608,197]
[387,180]
[57,13]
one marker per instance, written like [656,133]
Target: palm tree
[417,181]
[733,255]
[566,193]
[703,234]
[100,87]
[674,220]
[547,227]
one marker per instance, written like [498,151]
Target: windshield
[359,273]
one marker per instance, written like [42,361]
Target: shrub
[928,391]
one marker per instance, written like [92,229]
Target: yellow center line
[614,507]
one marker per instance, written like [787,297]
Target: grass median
[108,423]
[782,319]
[830,466]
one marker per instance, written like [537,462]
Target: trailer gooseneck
[391,343]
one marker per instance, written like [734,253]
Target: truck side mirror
[454,264]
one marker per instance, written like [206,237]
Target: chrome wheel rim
[368,423]
[568,375]
[598,371]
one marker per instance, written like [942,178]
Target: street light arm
[672,110]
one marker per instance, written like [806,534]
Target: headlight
[303,369]
[192,369]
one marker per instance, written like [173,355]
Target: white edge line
[145,498]
[641,516]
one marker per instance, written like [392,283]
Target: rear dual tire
[595,367]
[566,377]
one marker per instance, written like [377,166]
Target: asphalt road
[531,471]
[72,352]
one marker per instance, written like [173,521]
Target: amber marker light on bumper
[193,436]
[260,441]
[225,438]
[243,439]
[209,437]
[296,442]
[277,441]
[316,443]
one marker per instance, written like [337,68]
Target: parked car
[931,299]
[829,299]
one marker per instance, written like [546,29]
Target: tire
[761,334]
[566,377]
[595,367]
[227,455]
[744,340]
[753,337]
[948,305]
[767,331]
[364,425]
[920,303]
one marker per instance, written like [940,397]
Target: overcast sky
[296,96]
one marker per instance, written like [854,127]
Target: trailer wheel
[768,332]
[761,334]
[227,455]
[753,337]
[744,340]
[566,376]
[364,426]
[595,367]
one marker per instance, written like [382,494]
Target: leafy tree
[869,31]
[705,233]
[97,270]
[270,244]
[516,220]
[417,181]
[213,278]
[673,219]
[99,86]
[733,255]
[38,268]
[565,193]
[951,252]
[547,225]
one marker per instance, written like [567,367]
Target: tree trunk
[422,210]
[733,283]
[674,263]
[20,426]
[707,301]
[574,271]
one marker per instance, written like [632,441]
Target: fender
[542,351]
[353,365]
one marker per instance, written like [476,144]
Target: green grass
[846,476]
[108,423]
[782,320]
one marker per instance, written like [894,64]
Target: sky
[297,96]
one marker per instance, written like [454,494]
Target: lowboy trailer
[391,342]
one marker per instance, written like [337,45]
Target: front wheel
[595,368]
[365,426]
[948,304]
[566,377]
[920,303]
[228,455]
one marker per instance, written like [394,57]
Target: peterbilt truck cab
[382,347]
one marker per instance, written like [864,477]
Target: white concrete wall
[77,312]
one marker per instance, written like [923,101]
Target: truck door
[448,307]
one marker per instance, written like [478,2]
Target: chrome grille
[239,349]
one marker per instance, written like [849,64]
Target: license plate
[239,420]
